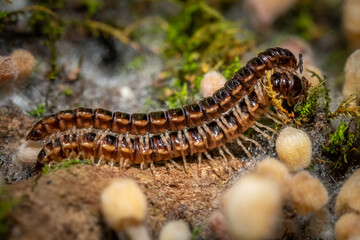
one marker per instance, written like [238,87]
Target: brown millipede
[245,80]
[163,146]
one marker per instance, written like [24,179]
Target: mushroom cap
[123,204]
[276,171]
[293,147]
[211,82]
[308,193]
[252,207]
[24,62]
[348,227]
[175,230]
[349,195]
[352,74]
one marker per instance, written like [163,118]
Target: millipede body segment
[192,129]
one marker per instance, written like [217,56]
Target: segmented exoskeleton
[205,110]
[162,146]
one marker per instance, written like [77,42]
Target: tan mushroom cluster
[253,207]
[18,66]
[347,209]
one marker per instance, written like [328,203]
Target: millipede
[141,138]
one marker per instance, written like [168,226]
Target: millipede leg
[175,164]
[211,165]
[142,166]
[266,127]
[252,141]
[203,136]
[225,160]
[260,94]
[100,159]
[179,135]
[232,157]
[166,139]
[152,167]
[221,125]
[128,140]
[208,156]
[268,115]
[72,155]
[111,163]
[262,133]
[121,163]
[190,141]
[199,164]
[127,163]
[244,148]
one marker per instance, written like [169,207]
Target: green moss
[3,16]
[65,164]
[68,92]
[6,205]
[135,64]
[92,6]
[196,233]
[39,111]
[343,142]
[233,67]
[317,99]
[304,25]
[178,98]
[200,39]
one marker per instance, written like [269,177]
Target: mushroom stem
[138,232]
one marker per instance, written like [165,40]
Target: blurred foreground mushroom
[124,206]
[263,13]
[351,22]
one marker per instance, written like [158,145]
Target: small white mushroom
[211,82]
[175,230]
[124,206]
[293,147]
[252,207]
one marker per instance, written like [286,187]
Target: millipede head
[290,87]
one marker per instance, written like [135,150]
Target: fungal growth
[268,79]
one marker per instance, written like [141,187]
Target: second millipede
[278,60]
[150,148]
